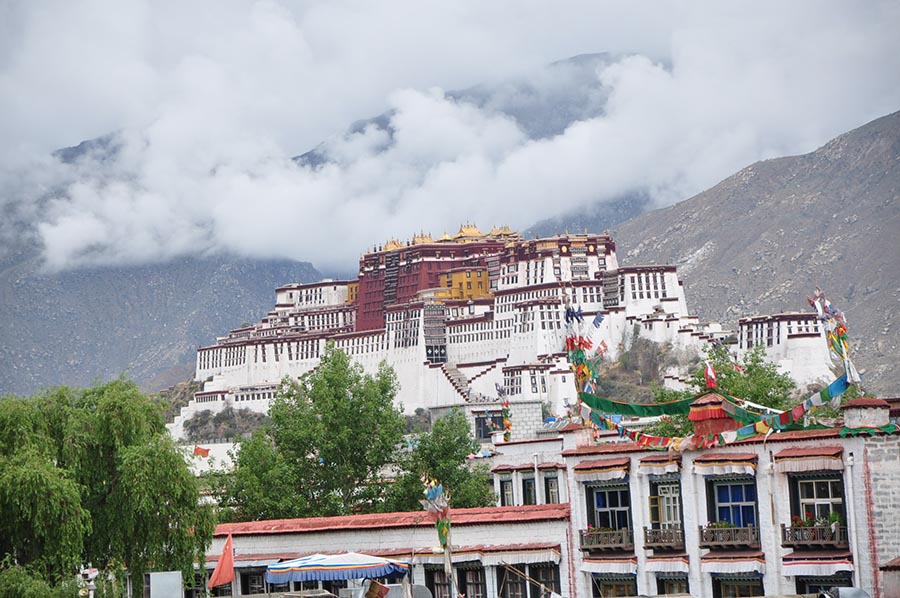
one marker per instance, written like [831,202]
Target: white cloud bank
[211,98]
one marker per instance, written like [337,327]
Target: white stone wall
[422,540]
[773,510]
[882,487]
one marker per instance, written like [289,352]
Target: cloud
[209,100]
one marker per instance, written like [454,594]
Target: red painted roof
[527,466]
[708,398]
[393,552]
[606,448]
[533,440]
[891,565]
[482,515]
[807,555]
[621,558]
[793,435]
[662,458]
[818,451]
[716,457]
[866,403]
[732,555]
[571,427]
[603,464]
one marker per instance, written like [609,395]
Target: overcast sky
[211,99]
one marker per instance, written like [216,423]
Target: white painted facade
[512,339]
[777,558]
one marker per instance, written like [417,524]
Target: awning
[661,464]
[816,563]
[673,564]
[621,565]
[520,558]
[496,555]
[320,567]
[602,470]
[726,463]
[809,459]
[733,562]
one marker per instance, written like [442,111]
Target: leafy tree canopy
[442,454]
[754,379]
[92,476]
[330,436]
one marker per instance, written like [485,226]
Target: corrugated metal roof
[483,515]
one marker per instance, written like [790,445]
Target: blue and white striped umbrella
[321,567]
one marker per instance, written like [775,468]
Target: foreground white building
[585,519]
[464,319]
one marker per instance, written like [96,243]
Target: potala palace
[468,318]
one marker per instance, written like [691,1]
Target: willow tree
[93,476]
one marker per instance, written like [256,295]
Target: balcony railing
[601,539]
[729,537]
[825,535]
[671,538]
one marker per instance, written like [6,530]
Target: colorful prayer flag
[710,375]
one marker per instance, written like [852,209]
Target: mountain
[763,239]
[143,321]
[597,217]
[542,103]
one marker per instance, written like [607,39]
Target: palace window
[672,583]
[472,582]
[737,585]
[253,583]
[817,498]
[665,505]
[607,585]
[486,423]
[551,489]
[528,492]
[611,507]
[546,576]
[734,502]
[818,584]
[511,582]
[506,492]
[436,581]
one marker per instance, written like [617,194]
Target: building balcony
[595,539]
[729,537]
[817,536]
[664,539]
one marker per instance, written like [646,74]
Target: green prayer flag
[604,405]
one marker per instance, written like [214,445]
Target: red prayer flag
[199,450]
[224,571]
[710,376]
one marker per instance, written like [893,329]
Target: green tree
[759,381]
[330,436]
[442,454]
[92,475]
[670,425]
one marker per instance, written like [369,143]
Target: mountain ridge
[144,322]
[764,238]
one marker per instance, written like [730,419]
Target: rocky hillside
[762,240]
[144,322]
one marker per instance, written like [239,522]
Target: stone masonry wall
[883,486]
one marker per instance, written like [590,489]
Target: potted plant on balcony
[806,521]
